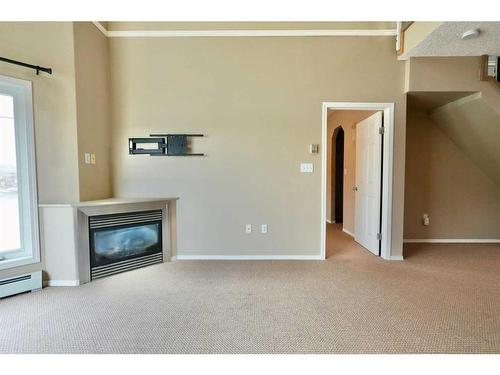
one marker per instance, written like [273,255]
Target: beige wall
[348,121]
[48,44]
[258,100]
[475,128]
[93,110]
[442,181]
[71,109]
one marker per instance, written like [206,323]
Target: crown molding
[101,28]
[243,33]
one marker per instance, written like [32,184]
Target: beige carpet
[442,299]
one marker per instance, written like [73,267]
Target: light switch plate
[263,228]
[92,158]
[313,148]
[248,228]
[306,168]
[87,158]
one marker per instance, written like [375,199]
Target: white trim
[246,33]
[330,222]
[387,197]
[243,33]
[452,240]
[61,282]
[324,145]
[248,257]
[101,28]
[395,257]
[58,205]
[173,258]
[347,232]
[398,35]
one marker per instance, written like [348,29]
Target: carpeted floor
[441,299]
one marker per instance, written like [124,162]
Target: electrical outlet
[263,228]
[92,158]
[87,158]
[248,228]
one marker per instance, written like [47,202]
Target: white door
[368,182]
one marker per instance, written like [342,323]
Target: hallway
[341,245]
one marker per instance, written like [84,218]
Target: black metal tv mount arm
[166,145]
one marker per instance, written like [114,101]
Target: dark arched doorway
[338,175]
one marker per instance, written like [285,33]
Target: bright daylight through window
[18,196]
[10,234]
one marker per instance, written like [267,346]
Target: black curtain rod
[35,67]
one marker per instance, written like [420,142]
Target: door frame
[387,172]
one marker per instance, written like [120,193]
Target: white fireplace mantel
[64,234]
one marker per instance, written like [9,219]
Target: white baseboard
[248,257]
[394,257]
[452,240]
[61,282]
[349,233]
[330,222]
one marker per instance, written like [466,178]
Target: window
[18,203]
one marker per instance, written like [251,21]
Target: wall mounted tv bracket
[166,145]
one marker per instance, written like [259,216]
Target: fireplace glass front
[122,242]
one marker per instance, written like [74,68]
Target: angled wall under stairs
[474,126]
[452,150]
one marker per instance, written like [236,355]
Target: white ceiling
[446,40]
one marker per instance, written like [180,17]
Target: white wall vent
[20,284]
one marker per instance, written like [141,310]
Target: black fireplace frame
[92,231]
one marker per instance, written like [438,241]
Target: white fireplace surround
[65,234]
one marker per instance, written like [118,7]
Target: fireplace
[126,241]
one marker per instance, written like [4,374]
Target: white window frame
[29,251]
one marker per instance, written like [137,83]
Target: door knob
[355,188]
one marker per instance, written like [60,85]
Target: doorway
[356,189]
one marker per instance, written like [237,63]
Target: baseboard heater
[20,284]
